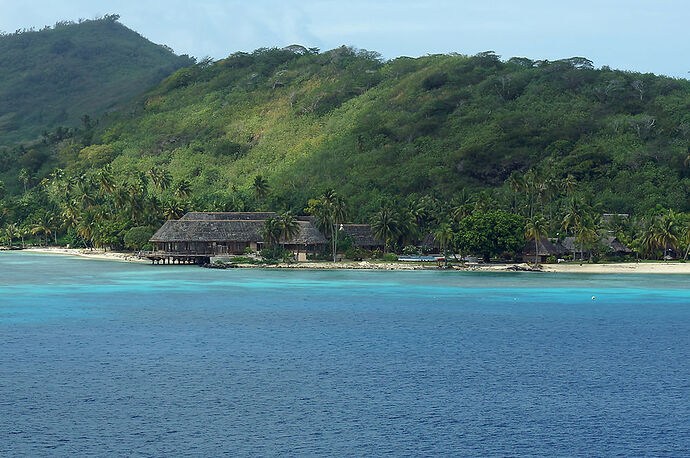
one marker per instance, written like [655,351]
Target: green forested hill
[437,124]
[56,75]
[432,134]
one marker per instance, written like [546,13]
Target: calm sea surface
[100,357]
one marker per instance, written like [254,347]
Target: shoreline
[88,254]
[604,268]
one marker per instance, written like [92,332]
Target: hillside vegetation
[433,137]
[54,76]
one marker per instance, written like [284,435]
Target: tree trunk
[536,251]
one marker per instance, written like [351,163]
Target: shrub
[410,250]
[354,253]
[551,260]
[274,254]
[390,257]
[137,237]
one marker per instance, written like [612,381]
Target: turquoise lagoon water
[102,357]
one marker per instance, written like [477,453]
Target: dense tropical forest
[54,76]
[475,150]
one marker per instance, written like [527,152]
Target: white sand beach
[91,254]
[604,268]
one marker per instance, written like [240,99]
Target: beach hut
[546,248]
[361,235]
[611,244]
[197,237]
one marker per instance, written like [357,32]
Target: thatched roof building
[220,233]
[186,230]
[615,246]
[228,216]
[361,236]
[546,248]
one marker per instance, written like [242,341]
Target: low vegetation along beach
[647,267]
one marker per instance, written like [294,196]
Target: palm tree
[536,228]
[585,232]
[260,186]
[648,239]
[330,211]
[42,226]
[23,232]
[384,225]
[183,189]
[516,183]
[105,180]
[160,178]
[444,235]
[665,231]
[337,213]
[569,183]
[686,239]
[271,231]
[85,193]
[575,212]
[11,233]
[24,176]
[172,210]
[289,227]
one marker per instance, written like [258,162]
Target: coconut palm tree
[42,226]
[516,183]
[11,233]
[686,238]
[585,232]
[385,225]
[183,189]
[105,180]
[260,186]
[444,236]
[271,232]
[25,177]
[536,228]
[329,211]
[172,210]
[666,231]
[569,184]
[160,178]
[289,227]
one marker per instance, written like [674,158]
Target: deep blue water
[100,357]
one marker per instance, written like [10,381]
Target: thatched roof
[228,216]
[186,230]
[209,231]
[361,235]
[570,244]
[546,248]
[429,241]
[308,235]
[615,245]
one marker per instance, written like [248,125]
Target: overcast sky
[640,35]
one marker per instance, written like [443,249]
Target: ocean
[108,358]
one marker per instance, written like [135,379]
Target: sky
[638,35]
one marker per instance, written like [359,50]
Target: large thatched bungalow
[199,236]
[546,250]
[611,244]
[361,236]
